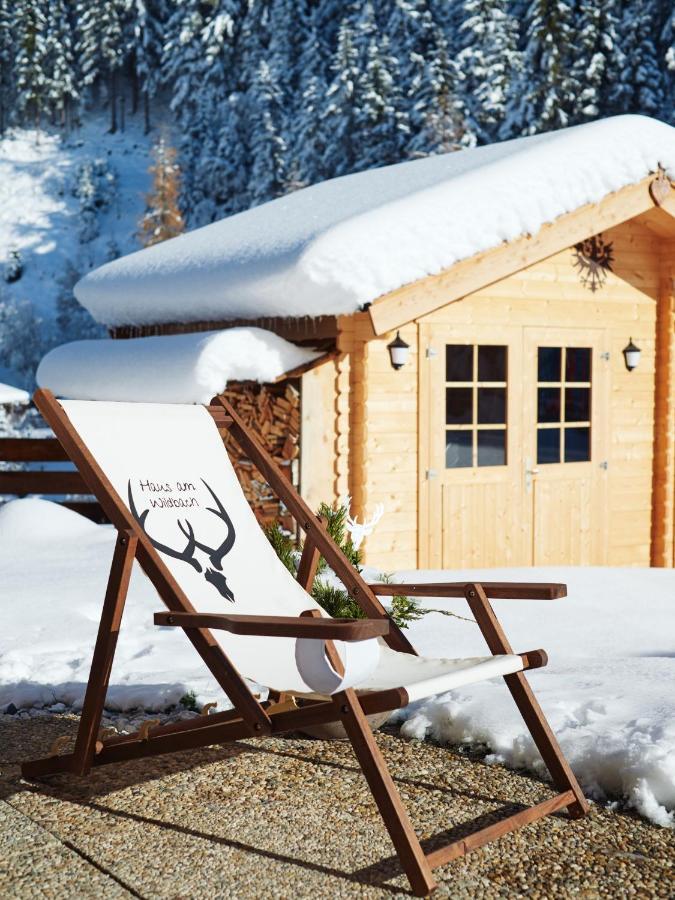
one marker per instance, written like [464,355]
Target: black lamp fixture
[398,351]
[631,354]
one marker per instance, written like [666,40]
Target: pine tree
[594,43]
[148,41]
[383,118]
[308,138]
[31,63]
[635,68]
[488,62]
[63,76]
[163,219]
[340,114]
[543,98]
[101,45]
[440,115]
[22,340]
[668,45]
[7,64]
[269,171]
[73,321]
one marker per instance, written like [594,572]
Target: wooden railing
[56,484]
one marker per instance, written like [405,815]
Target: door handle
[530,470]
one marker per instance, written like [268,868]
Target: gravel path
[293,819]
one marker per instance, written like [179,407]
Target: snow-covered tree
[544,96]
[7,55]
[101,45]
[594,43]
[31,74]
[269,169]
[488,64]
[73,322]
[383,117]
[636,75]
[62,92]
[163,219]
[308,138]
[22,341]
[341,112]
[148,44]
[442,125]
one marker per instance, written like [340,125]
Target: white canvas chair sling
[163,478]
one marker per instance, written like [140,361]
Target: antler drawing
[213,575]
[215,555]
[186,555]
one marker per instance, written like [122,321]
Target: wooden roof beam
[469,275]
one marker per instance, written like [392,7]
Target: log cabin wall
[549,295]
[318,434]
[663,493]
[381,451]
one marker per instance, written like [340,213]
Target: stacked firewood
[272,411]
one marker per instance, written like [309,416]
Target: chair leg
[104,652]
[385,794]
[563,777]
[546,742]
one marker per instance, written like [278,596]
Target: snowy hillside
[67,204]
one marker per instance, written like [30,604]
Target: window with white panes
[475,405]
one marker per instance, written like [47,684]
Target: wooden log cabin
[515,434]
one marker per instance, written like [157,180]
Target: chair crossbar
[477,839]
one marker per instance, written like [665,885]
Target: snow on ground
[40,215]
[180,368]
[609,689]
[334,246]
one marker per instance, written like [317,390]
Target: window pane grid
[564,404]
[476,409]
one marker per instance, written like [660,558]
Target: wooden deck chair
[163,477]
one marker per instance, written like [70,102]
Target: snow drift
[608,689]
[334,246]
[180,368]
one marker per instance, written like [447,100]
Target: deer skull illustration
[213,573]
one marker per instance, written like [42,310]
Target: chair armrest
[280,626]
[497,590]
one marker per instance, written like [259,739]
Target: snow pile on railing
[334,246]
[180,368]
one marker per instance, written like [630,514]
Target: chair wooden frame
[252,717]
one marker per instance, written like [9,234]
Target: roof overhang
[652,196]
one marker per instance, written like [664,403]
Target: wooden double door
[513,446]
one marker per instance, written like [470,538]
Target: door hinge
[431,473]
[605,356]
[431,353]
[604,465]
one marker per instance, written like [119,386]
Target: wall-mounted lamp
[631,354]
[398,351]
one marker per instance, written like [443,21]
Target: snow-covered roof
[10,394]
[178,368]
[330,248]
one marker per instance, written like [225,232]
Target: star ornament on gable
[593,259]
